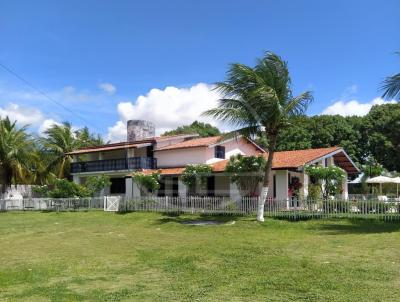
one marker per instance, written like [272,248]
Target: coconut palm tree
[391,86]
[15,149]
[86,138]
[259,100]
[57,142]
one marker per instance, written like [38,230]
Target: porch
[282,184]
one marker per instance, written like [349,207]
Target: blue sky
[98,57]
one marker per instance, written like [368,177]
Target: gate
[111,203]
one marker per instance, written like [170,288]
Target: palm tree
[259,100]
[57,142]
[391,86]
[15,149]
[86,138]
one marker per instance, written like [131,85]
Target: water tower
[139,130]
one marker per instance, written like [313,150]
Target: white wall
[17,191]
[232,147]
[180,157]
[281,184]
[203,155]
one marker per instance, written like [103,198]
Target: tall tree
[260,100]
[59,140]
[86,138]
[391,86]
[324,131]
[15,150]
[383,130]
[202,129]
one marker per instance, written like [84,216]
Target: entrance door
[211,186]
[175,187]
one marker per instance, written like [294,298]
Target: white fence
[289,209]
[51,204]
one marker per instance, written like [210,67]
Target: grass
[98,256]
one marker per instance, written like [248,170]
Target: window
[220,152]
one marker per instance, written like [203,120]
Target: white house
[170,154]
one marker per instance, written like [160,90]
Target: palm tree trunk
[7,179]
[267,173]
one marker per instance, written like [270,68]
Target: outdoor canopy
[396,180]
[382,180]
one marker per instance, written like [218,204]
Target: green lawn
[97,256]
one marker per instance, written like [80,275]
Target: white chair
[382,198]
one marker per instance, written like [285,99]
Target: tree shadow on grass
[187,219]
[358,226]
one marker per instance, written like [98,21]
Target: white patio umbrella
[396,180]
[380,180]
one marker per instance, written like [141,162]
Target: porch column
[135,190]
[281,177]
[128,188]
[304,179]
[76,179]
[345,190]
[234,192]
[182,189]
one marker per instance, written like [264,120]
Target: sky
[100,63]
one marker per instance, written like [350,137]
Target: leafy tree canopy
[383,130]
[97,183]
[328,178]
[246,172]
[16,146]
[195,173]
[63,188]
[202,129]
[146,182]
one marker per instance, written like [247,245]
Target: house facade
[170,154]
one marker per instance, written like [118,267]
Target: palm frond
[299,104]
[391,87]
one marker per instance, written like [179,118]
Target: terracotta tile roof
[282,160]
[298,158]
[287,159]
[165,171]
[197,142]
[124,145]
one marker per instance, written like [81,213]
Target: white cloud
[167,109]
[46,124]
[354,107]
[117,133]
[23,115]
[107,87]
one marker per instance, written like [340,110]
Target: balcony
[131,163]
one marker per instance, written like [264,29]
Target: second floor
[159,152]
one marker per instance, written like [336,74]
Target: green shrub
[146,182]
[193,173]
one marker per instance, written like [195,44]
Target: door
[211,186]
[175,187]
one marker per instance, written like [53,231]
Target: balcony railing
[131,163]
